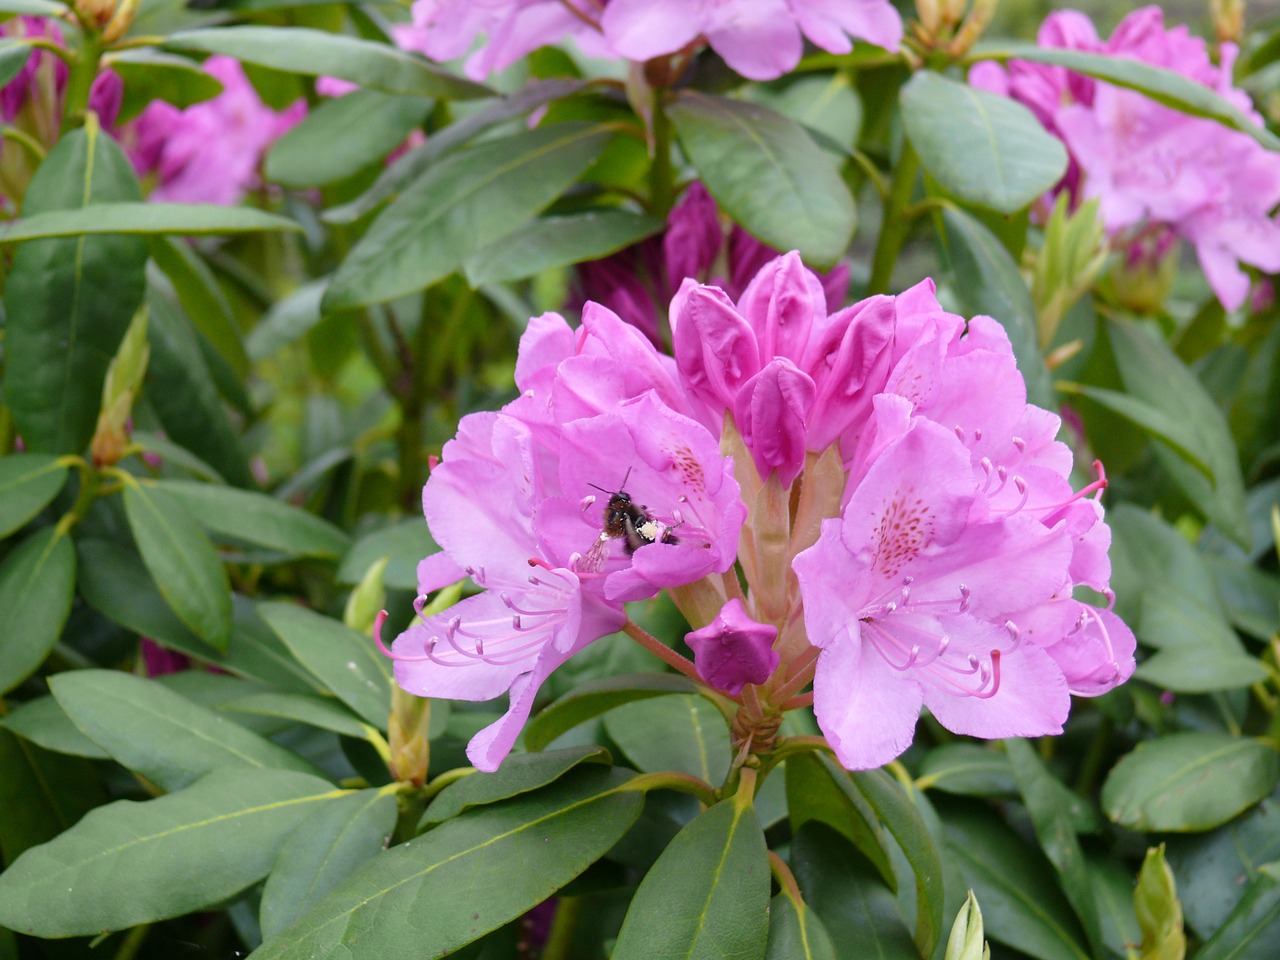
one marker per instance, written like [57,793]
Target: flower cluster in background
[1157,173]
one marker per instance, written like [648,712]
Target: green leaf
[1112,882]
[987,280]
[858,911]
[164,736]
[826,105]
[519,773]
[818,789]
[685,733]
[1153,373]
[68,302]
[595,697]
[182,562]
[190,219]
[983,148]
[289,320]
[1162,85]
[316,711]
[257,518]
[1251,931]
[32,8]
[314,53]
[708,894]
[903,821]
[1189,781]
[966,769]
[408,168]
[1049,804]
[767,174]
[1251,596]
[151,75]
[343,136]
[47,725]
[28,481]
[795,932]
[41,794]
[460,205]
[37,585]
[471,875]
[406,543]
[323,852]
[558,242]
[1150,419]
[1021,905]
[129,863]
[345,662]
[14,55]
[203,300]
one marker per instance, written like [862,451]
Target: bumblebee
[628,521]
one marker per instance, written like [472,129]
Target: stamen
[994,677]
[960,434]
[1015,635]
[1021,486]
[587,502]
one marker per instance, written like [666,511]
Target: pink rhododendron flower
[211,151]
[1152,168]
[902,518]
[638,283]
[760,39]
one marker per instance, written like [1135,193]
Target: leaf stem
[84,68]
[896,223]
[660,650]
[132,941]
[661,174]
[560,940]
[672,780]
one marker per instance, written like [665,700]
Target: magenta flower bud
[781,303]
[734,650]
[693,238]
[770,411]
[716,351]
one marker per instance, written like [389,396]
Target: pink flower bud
[734,650]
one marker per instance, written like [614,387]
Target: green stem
[671,780]
[896,223]
[1094,755]
[560,939]
[132,941]
[661,174]
[80,81]
[660,650]
[90,487]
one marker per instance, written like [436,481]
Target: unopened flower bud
[1228,19]
[734,650]
[120,21]
[367,598]
[96,12]
[975,24]
[929,15]
[122,383]
[1155,901]
[965,942]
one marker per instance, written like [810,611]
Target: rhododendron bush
[790,479]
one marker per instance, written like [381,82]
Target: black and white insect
[628,521]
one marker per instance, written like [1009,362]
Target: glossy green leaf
[13,57]
[707,896]
[1189,781]
[343,136]
[1021,905]
[901,818]
[1252,929]
[47,725]
[818,789]
[558,242]
[967,769]
[519,773]
[189,219]
[28,481]
[1055,823]
[182,562]
[313,53]
[987,280]
[825,104]
[1112,883]
[767,174]
[984,148]
[37,585]
[129,863]
[164,736]
[151,75]
[1150,419]
[347,663]
[460,205]
[181,390]
[41,793]
[316,711]
[1153,373]
[289,320]
[796,932]
[858,911]
[685,733]
[202,299]
[69,301]
[430,896]
[408,168]
[323,852]
[1163,85]
[257,518]
[405,543]
[32,8]
[590,699]
[1251,596]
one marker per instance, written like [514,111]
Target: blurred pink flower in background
[1153,168]
[209,152]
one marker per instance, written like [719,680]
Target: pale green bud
[1155,901]
[966,941]
[367,598]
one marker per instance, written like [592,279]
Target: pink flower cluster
[761,39]
[902,517]
[1156,172]
[210,152]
